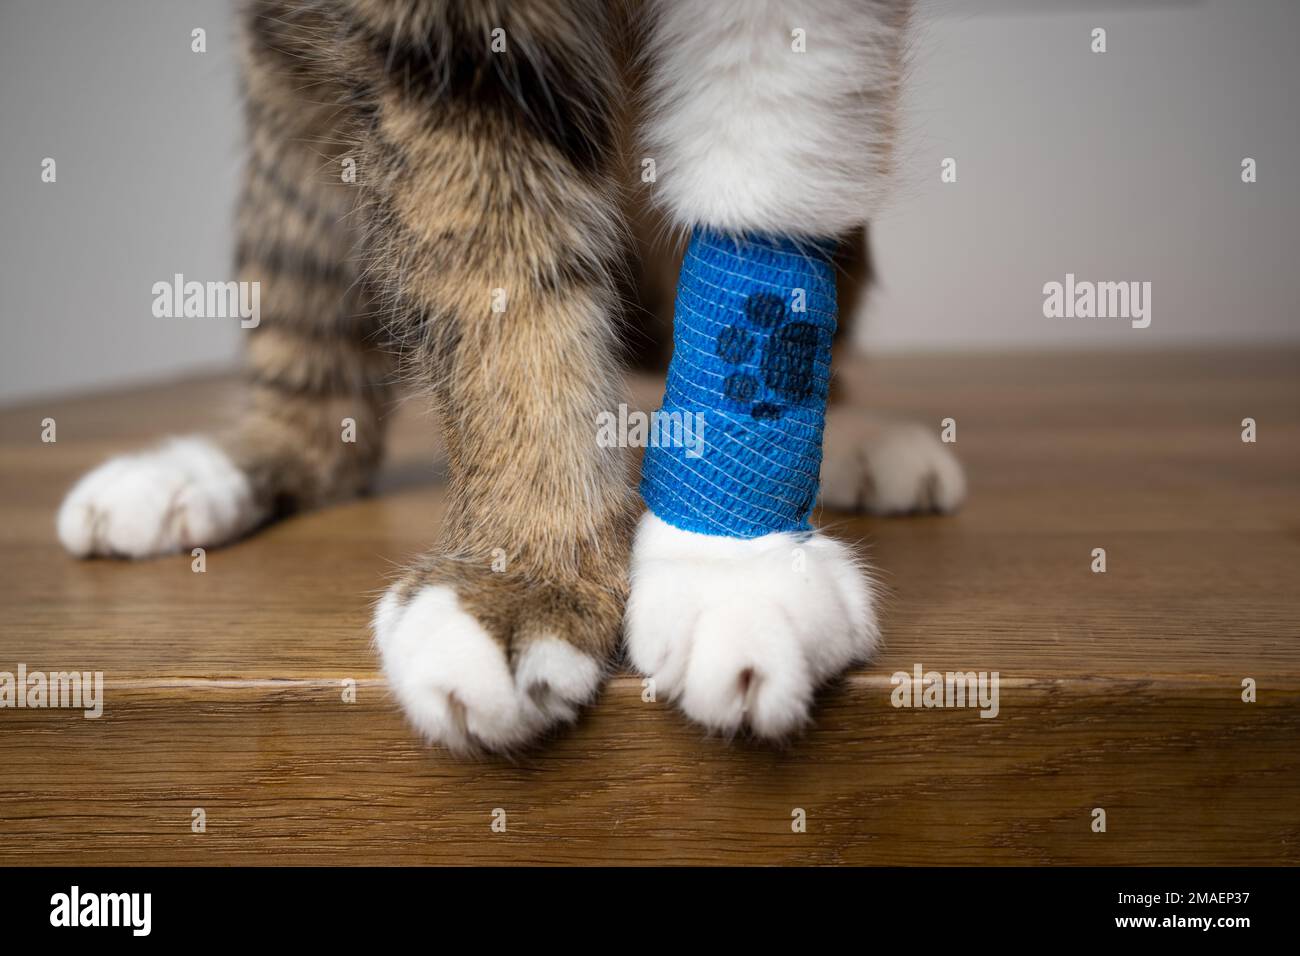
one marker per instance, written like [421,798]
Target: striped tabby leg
[495,227]
[310,432]
[319,371]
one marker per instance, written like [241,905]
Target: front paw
[742,632]
[887,468]
[487,662]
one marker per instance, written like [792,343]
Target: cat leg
[495,229]
[311,360]
[769,123]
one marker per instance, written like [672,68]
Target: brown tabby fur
[475,172]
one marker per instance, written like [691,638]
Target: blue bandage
[750,371]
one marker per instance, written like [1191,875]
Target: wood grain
[1121,691]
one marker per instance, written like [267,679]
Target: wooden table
[1120,691]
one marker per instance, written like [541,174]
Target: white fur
[741,632]
[184,494]
[892,469]
[748,134]
[455,685]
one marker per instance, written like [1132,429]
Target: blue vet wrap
[752,358]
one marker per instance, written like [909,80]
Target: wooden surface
[1119,690]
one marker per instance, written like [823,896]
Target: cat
[482,254]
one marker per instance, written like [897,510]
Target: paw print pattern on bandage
[786,357]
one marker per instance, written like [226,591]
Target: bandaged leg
[750,371]
[769,126]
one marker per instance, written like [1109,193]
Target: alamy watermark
[73,690]
[634,429]
[208,300]
[75,908]
[1083,299]
[951,689]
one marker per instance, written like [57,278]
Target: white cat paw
[889,469]
[185,494]
[740,633]
[457,687]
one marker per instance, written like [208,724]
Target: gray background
[1115,166]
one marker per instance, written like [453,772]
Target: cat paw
[486,666]
[185,494]
[884,468]
[740,633]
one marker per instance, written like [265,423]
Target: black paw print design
[786,365]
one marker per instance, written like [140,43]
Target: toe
[747,670]
[450,676]
[949,480]
[557,677]
[660,622]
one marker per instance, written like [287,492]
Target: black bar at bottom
[453,906]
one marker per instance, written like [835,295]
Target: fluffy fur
[748,134]
[186,494]
[491,178]
[456,684]
[741,632]
[887,468]
[493,232]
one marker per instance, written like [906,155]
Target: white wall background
[1115,166]
[145,135]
